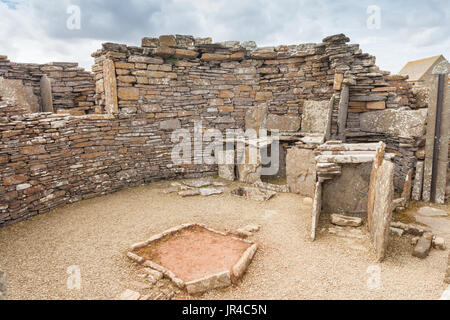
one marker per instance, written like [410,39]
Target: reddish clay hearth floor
[194,253]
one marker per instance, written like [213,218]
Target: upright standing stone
[255,117]
[343,112]
[406,195]
[432,134]
[317,208]
[110,83]
[418,182]
[381,150]
[382,210]
[22,95]
[3,294]
[250,165]
[301,171]
[227,165]
[315,117]
[46,94]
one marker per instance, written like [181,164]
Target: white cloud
[416,30]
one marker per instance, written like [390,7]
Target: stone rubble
[254,193]
[423,247]
[439,243]
[346,221]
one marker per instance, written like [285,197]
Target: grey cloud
[409,27]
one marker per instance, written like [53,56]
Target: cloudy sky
[37,30]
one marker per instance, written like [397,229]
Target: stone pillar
[418,182]
[381,215]
[46,94]
[110,83]
[227,165]
[301,171]
[436,152]
[317,208]
[3,294]
[343,112]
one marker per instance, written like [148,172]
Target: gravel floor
[95,235]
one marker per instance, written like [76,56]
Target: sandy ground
[95,235]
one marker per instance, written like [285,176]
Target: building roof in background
[418,68]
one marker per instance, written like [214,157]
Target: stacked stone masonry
[73,88]
[143,93]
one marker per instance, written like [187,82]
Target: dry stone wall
[143,93]
[72,87]
[179,76]
[48,160]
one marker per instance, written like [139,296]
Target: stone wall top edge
[205,45]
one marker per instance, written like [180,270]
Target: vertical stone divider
[408,187]
[3,293]
[438,95]
[381,150]
[329,118]
[343,112]
[418,182]
[46,94]
[110,84]
[380,202]
[317,208]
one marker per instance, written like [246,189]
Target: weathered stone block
[227,165]
[186,54]
[221,280]
[150,42]
[338,78]
[110,87]
[282,123]
[353,186]
[165,52]
[301,171]
[423,247]
[168,41]
[376,105]
[418,182]
[46,94]
[345,221]
[170,125]
[380,215]
[249,165]
[128,93]
[404,123]
[23,96]
[315,117]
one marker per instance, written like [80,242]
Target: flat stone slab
[432,212]
[195,257]
[254,193]
[206,192]
[404,123]
[200,183]
[345,221]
